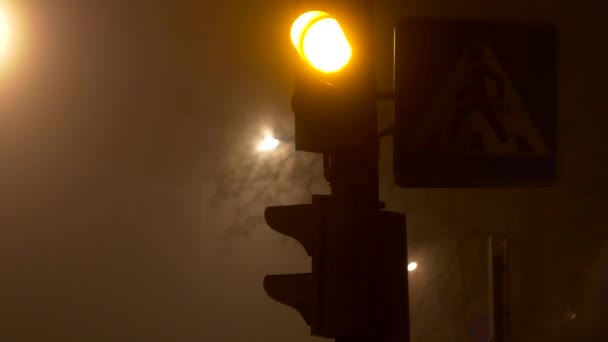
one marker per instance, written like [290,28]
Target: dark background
[131,193]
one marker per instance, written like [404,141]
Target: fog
[132,193]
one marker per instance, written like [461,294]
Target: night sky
[132,193]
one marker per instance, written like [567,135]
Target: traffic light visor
[320,41]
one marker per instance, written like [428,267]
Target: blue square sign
[475,103]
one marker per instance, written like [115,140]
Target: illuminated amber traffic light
[321,42]
[334,96]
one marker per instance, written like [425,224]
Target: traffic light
[357,289]
[320,41]
[334,98]
[358,284]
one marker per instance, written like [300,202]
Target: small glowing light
[412,266]
[4,33]
[320,40]
[268,144]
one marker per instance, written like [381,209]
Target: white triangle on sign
[476,110]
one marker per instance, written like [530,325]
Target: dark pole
[354,174]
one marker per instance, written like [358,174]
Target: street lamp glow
[4,33]
[320,41]
[412,266]
[268,144]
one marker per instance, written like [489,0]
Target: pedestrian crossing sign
[477,110]
[475,103]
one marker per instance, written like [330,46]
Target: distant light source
[412,266]
[5,33]
[268,144]
[320,41]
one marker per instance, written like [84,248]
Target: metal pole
[354,173]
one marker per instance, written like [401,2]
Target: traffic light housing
[358,284]
[336,110]
[302,223]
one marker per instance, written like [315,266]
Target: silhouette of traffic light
[358,283]
[300,222]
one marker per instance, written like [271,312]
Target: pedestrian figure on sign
[479,98]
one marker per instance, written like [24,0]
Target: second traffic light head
[321,42]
